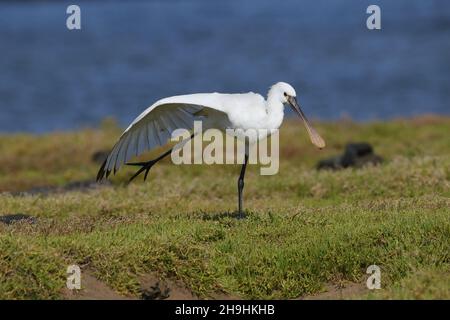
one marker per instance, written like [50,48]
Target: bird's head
[287,95]
[284,91]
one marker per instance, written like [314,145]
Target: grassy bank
[305,229]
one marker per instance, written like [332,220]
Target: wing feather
[131,148]
[123,151]
[154,128]
[143,144]
[165,125]
[151,135]
[113,155]
[159,133]
[182,121]
[114,161]
[172,123]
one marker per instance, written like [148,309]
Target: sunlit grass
[304,228]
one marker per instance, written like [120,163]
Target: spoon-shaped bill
[316,139]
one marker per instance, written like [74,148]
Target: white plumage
[154,127]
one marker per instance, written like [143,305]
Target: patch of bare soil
[349,290]
[92,289]
[152,288]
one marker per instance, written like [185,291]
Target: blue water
[131,53]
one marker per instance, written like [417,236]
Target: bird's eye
[285,94]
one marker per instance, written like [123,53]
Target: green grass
[305,229]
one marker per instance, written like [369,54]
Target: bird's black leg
[146,166]
[241,186]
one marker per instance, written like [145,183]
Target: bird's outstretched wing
[154,128]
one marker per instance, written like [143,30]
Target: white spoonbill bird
[245,111]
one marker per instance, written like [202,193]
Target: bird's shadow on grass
[19,217]
[217,216]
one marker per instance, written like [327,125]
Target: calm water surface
[128,54]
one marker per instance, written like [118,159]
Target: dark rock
[355,155]
[158,291]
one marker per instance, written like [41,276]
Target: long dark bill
[316,139]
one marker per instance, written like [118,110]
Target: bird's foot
[240,215]
[145,166]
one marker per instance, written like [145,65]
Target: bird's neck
[275,111]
